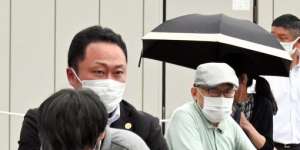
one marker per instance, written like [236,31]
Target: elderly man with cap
[205,123]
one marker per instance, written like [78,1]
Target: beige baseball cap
[213,74]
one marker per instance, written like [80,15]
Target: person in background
[286,127]
[286,28]
[97,59]
[77,120]
[205,123]
[254,111]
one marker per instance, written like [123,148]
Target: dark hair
[288,22]
[71,119]
[263,88]
[284,20]
[92,34]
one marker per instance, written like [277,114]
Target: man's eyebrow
[106,65]
[100,63]
[120,66]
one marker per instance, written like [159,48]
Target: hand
[241,93]
[295,58]
[244,123]
[256,138]
[297,53]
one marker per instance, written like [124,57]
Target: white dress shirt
[286,123]
[115,116]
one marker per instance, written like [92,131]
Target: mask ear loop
[76,76]
[200,92]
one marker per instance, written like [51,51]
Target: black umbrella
[194,39]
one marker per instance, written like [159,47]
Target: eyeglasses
[218,92]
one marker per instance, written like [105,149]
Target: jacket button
[128,125]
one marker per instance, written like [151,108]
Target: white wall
[35,36]
[126,18]
[286,6]
[71,17]
[32,53]
[265,13]
[152,77]
[4,73]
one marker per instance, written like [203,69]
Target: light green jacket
[188,129]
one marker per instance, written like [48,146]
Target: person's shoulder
[127,139]
[32,112]
[143,124]
[31,116]
[137,114]
[29,138]
[186,113]
[262,101]
[187,108]
[231,123]
[123,135]
[240,138]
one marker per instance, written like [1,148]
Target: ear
[195,94]
[73,81]
[194,91]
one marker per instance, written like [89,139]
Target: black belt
[286,146]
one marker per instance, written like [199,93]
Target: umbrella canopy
[194,39]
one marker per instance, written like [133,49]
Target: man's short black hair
[71,119]
[288,22]
[295,29]
[92,34]
[285,20]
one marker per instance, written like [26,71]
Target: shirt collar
[113,116]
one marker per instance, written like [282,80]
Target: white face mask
[215,109]
[110,91]
[289,46]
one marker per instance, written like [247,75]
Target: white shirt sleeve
[295,83]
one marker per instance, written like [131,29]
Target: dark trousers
[280,146]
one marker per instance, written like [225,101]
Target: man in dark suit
[97,59]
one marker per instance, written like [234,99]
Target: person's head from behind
[72,120]
[283,29]
[262,89]
[286,28]
[213,90]
[97,59]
